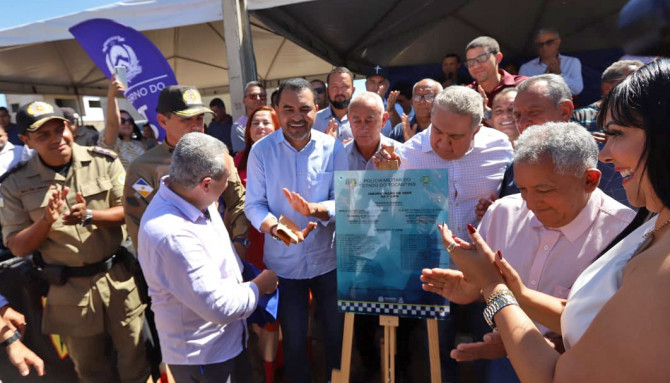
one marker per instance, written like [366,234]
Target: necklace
[664,224]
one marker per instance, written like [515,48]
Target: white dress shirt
[476,175]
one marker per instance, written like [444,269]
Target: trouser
[236,370]
[94,359]
[293,318]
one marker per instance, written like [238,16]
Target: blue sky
[20,12]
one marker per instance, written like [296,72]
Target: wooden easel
[390,324]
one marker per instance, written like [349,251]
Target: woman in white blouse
[615,321]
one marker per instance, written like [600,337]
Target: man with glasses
[333,120]
[482,57]
[423,95]
[547,43]
[254,96]
[321,97]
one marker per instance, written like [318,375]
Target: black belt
[94,268]
[80,271]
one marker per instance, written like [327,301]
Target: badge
[143,187]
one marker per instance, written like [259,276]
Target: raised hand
[407,131]
[450,284]
[77,211]
[56,205]
[331,129]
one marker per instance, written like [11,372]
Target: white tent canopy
[43,58]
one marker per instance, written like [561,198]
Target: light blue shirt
[324,116]
[388,128]
[274,164]
[195,281]
[356,159]
[571,70]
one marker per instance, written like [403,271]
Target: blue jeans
[501,371]
[293,318]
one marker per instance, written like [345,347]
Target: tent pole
[239,51]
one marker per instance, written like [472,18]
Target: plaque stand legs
[390,324]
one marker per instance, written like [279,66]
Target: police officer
[64,204]
[180,111]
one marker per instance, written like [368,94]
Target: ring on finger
[451,247]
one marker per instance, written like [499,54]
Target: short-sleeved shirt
[143,181]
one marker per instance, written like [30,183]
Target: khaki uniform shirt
[74,308]
[143,180]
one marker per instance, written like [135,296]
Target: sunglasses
[478,59]
[320,90]
[257,97]
[127,120]
[541,44]
[427,97]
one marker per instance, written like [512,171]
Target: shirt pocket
[35,203]
[96,192]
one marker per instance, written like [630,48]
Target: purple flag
[110,44]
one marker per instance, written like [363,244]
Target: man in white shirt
[476,158]
[550,61]
[194,276]
[11,154]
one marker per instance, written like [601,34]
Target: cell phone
[120,75]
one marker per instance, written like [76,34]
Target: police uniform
[143,180]
[84,310]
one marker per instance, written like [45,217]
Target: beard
[339,104]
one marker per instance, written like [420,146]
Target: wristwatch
[88,219]
[244,241]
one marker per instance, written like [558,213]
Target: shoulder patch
[143,188]
[109,153]
[13,169]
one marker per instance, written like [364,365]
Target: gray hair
[546,31]
[252,84]
[557,89]
[431,83]
[362,97]
[571,148]
[619,70]
[196,156]
[484,42]
[502,93]
[462,101]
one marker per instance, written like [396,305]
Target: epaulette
[109,153]
[13,169]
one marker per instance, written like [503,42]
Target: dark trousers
[293,318]
[236,370]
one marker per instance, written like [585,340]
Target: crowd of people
[139,239]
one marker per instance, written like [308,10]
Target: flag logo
[143,187]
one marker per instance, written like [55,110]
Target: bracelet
[502,291]
[11,339]
[496,302]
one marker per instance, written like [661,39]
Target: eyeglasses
[478,59]
[127,120]
[258,97]
[320,90]
[427,97]
[541,44]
